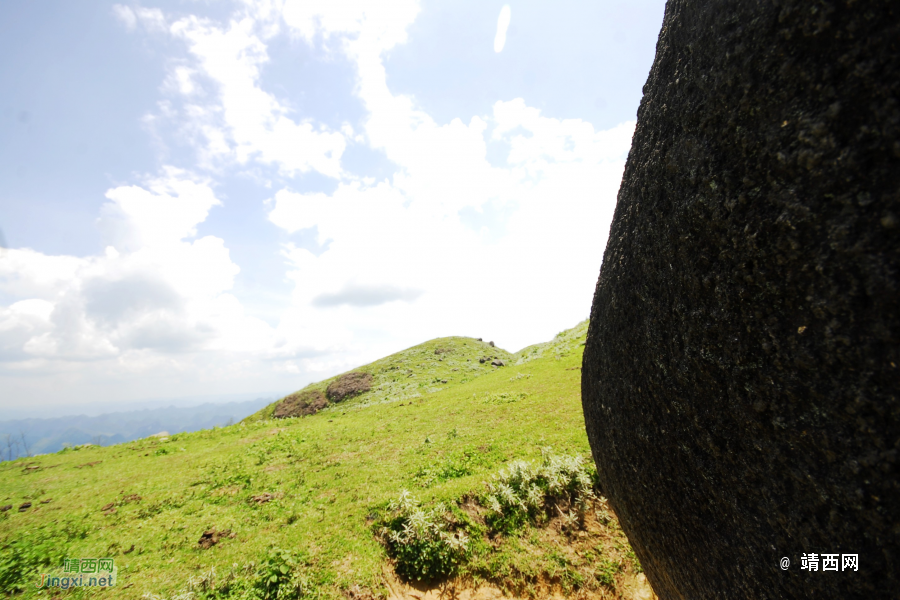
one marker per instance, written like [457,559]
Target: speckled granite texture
[741,386]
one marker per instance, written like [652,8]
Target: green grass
[331,477]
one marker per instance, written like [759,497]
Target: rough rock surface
[308,402]
[349,385]
[740,377]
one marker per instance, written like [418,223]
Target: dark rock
[25,506]
[5,508]
[498,363]
[482,360]
[491,344]
[740,381]
[349,385]
[480,340]
[298,404]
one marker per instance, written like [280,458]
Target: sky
[242,197]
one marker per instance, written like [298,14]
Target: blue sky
[242,197]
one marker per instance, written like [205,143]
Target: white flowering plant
[524,491]
[424,543]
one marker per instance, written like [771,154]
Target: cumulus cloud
[109,301]
[160,288]
[502,26]
[243,123]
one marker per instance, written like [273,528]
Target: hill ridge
[424,368]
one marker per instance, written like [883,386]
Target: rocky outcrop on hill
[299,404]
[349,385]
[740,378]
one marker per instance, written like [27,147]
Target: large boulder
[740,378]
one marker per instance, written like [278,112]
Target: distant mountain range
[42,436]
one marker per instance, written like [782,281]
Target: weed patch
[503,397]
[485,539]
[423,542]
[525,491]
[459,465]
[21,558]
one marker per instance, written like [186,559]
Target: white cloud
[561,180]
[382,22]
[125,15]
[502,26]
[155,289]
[246,123]
[181,80]
[164,211]
[151,18]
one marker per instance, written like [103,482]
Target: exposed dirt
[349,385]
[633,587]
[299,404]
[211,537]
[264,497]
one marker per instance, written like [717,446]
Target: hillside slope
[436,365]
[313,507]
[430,367]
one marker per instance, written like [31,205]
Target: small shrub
[349,385]
[524,492]
[22,558]
[421,541]
[606,571]
[278,576]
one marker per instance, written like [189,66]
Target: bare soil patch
[211,537]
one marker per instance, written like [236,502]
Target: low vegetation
[314,506]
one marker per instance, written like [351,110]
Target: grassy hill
[413,488]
